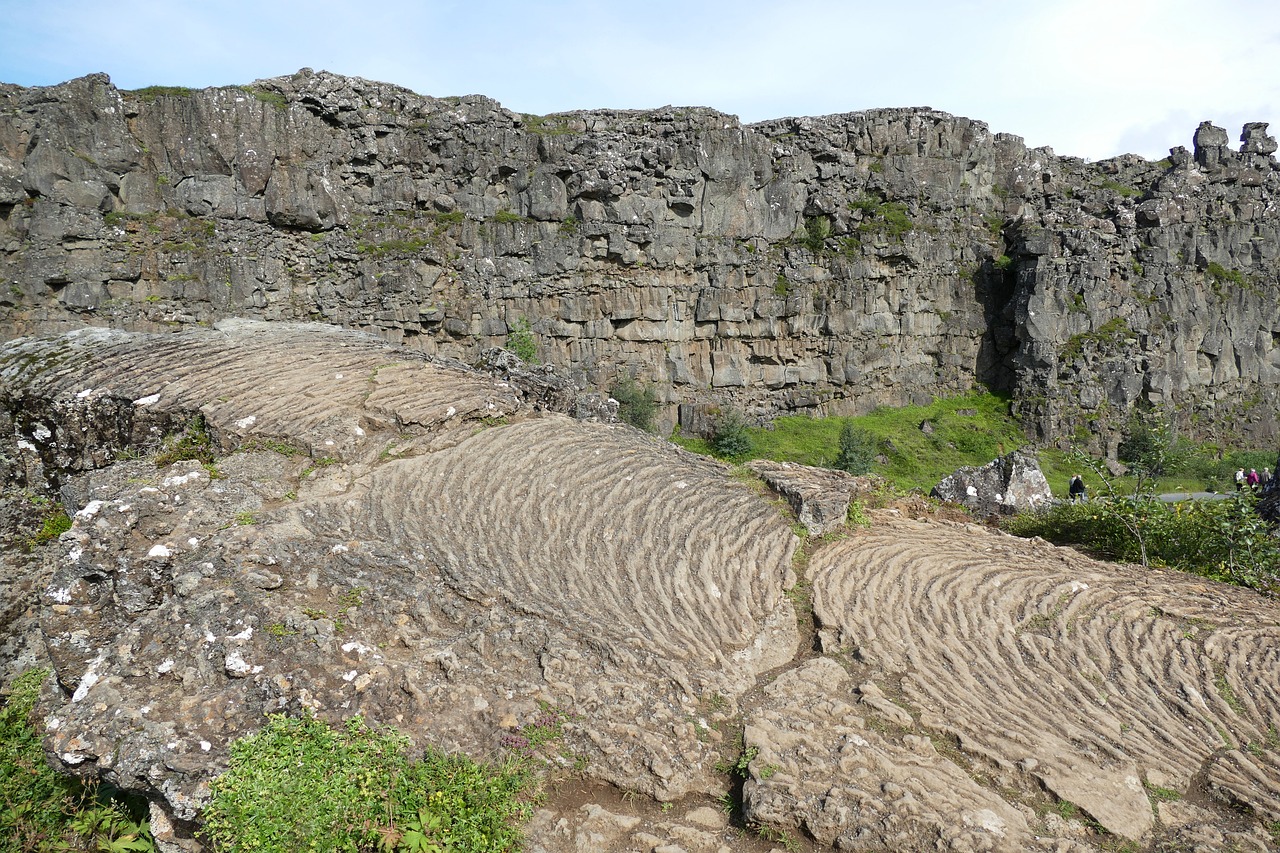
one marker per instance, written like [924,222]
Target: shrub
[730,437]
[299,784]
[41,810]
[193,443]
[857,449]
[521,341]
[637,405]
[1225,539]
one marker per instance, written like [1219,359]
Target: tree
[857,449]
[637,405]
[1147,447]
[730,437]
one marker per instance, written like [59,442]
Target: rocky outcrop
[1011,484]
[804,264]
[819,497]
[395,536]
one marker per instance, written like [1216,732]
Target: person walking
[1264,479]
[1240,480]
[1252,479]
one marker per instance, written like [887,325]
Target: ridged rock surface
[802,264]
[980,671]
[409,540]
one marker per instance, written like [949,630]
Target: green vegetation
[731,438]
[41,810]
[966,430]
[1224,540]
[637,405]
[549,125]
[1002,263]
[1110,334]
[882,217]
[1220,277]
[299,784]
[508,216]
[858,449]
[150,93]
[521,341]
[267,96]
[813,235]
[193,443]
[1116,187]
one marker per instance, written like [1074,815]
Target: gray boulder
[1004,486]
[819,497]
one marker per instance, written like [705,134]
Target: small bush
[193,443]
[1225,540]
[521,341]
[299,784]
[857,449]
[56,523]
[637,405]
[731,438]
[41,810]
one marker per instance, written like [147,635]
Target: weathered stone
[819,497]
[1011,484]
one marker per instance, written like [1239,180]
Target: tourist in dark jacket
[1077,489]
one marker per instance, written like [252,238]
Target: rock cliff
[802,264]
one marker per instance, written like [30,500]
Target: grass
[41,810]
[300,784]
[968,429]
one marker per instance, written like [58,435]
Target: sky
[1090,78]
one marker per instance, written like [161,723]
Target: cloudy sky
[1091,78]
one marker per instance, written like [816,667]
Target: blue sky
[1091,78]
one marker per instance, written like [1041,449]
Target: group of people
[1255,481]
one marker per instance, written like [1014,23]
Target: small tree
[857,449]
[730,437]
[1147,448]
[637,405]
[521,341]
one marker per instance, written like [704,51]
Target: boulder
[1004,486]
[819,497]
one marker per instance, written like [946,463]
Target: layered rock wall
[817,264]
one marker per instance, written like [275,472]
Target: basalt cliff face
[815,264]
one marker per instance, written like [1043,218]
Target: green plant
[778,836]
[549,125]
[55,523]
[300,784]
[1109,335]
[813,235]
[637,405]
[507,216]
[267,96]
[858,449]
[41,810]
[521,341]
[730,438]
[1116,187]
[1003,262]
[857,515]
[193,443]
[568,226]
[246,518]
[782,286]
[150,93]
